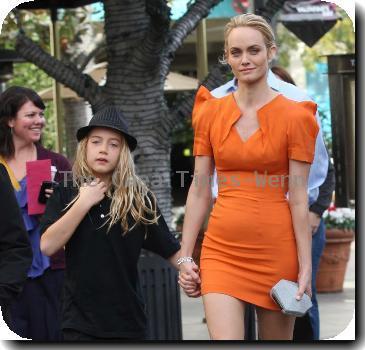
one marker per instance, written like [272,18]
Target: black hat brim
[84,131]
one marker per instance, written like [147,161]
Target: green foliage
[36,25]
[287,43]
[184,133]
[70,21]
[327,136]
[30,76]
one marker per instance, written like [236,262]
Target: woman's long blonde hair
[130,195]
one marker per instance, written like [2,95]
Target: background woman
[261,144]
[35,313]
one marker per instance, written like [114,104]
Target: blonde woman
[261,144]
[104,218]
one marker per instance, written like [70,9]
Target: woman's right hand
[92,193]
[189,279]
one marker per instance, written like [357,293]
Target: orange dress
[249,244]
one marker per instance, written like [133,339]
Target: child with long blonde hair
[103,218]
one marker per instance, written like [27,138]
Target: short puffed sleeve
[202,117]
[302,131]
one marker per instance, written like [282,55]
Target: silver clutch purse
[284,293]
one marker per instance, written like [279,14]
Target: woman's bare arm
[298,202]
[198,203]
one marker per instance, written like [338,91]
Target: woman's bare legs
[225,319]
[274,325]
[225,316]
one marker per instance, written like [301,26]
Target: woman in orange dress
[261,144]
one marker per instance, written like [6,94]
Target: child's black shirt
[102,295]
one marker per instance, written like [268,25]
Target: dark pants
[35,313]
[72,335]
[307,327]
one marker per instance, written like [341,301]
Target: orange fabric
[302,132]
[201,120]
[249,244]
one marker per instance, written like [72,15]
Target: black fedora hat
[109,117]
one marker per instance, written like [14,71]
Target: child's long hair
[129,193]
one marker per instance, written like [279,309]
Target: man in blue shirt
[319,167]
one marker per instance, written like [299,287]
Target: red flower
[240,6]
[332,207]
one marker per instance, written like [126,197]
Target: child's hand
[189,279]
[191,288]
[91,194]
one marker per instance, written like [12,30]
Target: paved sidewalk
[336,310]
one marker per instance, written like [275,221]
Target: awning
[309,20]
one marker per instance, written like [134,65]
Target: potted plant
[340,226]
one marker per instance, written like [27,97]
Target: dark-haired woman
[35,313]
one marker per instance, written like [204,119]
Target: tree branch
[183,27]
[159,13]
[149,52]
[65,73]
[125,26]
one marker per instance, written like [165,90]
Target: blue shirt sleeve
[319,167]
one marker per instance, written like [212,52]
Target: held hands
[189,279]
[92,193]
